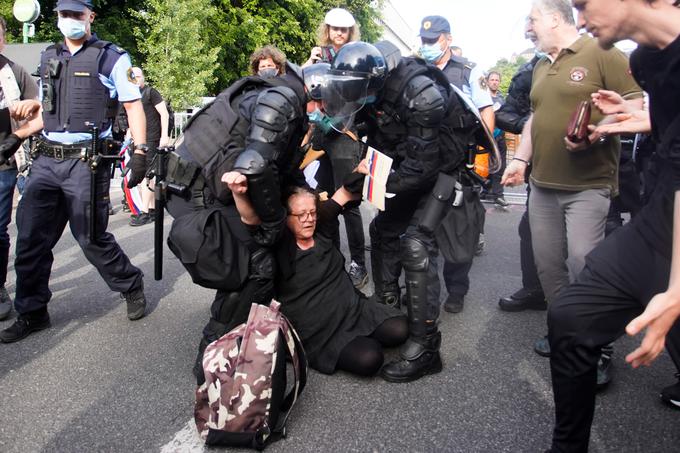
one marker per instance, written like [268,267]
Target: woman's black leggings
[364,355]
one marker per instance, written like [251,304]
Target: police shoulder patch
[131,76]
[482,82]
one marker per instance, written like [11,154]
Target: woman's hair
[323,34]
[293,191]
[268,51]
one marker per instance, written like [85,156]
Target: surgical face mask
[268,73]
[431,52]
[322,121]
[71,28]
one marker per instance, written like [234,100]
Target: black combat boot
[420,353]
[25,325]
[420,357]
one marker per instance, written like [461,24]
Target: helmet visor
[343,95]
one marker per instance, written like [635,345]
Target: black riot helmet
[314,77]
[354,79]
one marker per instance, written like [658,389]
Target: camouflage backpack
[242,402]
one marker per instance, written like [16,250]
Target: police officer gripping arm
[265,119]
[82,79]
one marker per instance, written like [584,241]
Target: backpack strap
[297,354]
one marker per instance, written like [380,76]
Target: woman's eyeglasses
[305,216]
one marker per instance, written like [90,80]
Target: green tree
[240,27]
[113,22]
[179,58]
[507,69]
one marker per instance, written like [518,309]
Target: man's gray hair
[561,7]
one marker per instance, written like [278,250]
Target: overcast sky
[486,30]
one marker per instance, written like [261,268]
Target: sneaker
[542,347]
[142,219]
[136,303]
[671,394]
[481,244]
[24,326]
[500,201]
[5,304]
[358,274]
[454,303]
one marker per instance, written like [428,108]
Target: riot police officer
[83,79]
[265,119]
[408,110]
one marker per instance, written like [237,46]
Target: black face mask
[268,73]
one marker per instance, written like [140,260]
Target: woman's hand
[237,183]
[362,167]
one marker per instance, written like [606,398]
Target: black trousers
[56,193]
[620,277]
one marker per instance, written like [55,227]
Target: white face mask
[72,28]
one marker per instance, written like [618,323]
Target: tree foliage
[179,59]
[175,40]
[240,27]
[507,69]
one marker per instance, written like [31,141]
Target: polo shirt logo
[577,74]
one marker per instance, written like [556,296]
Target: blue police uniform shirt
[114,75]
[477,90]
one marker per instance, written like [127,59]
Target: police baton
[160,193]
[94,157]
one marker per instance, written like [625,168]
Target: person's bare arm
[136,122]
[162,110]
[514,173]
[238,184]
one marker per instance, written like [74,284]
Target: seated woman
[339,328]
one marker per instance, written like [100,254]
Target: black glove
[137,166]
[8,147]
[354,182]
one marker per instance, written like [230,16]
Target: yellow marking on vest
[81,74]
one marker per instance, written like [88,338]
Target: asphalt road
[96,382]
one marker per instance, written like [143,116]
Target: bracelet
[521,160]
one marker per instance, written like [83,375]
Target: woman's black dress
[318,297]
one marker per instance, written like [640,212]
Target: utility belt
[81,150]
[454,216]
[185,179]
[447,193]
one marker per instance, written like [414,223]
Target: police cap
[73,5]
[433,26]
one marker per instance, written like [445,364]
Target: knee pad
[414,255]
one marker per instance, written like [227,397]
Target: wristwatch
[142,147]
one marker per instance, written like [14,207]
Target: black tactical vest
[72,92]
[458,71]
[216,135]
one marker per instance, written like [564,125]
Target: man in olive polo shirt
[571,184]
